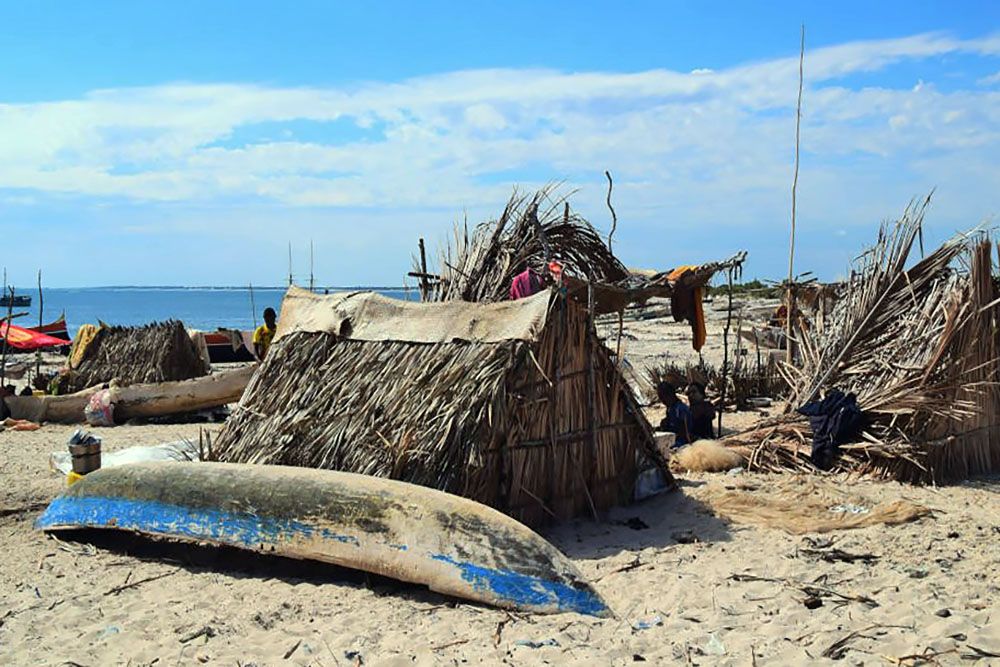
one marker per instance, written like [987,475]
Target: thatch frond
[532,229]
[386,408]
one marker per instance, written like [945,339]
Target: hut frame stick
[614,217]
[424,284]
[591,391]
[726,374]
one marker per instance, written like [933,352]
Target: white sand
[55,604]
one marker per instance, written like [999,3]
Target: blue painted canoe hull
[451,544]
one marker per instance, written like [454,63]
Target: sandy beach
[687,586]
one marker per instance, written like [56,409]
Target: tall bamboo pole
[790,306]
[41,309]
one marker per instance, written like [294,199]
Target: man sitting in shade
[678,419]
[264,334]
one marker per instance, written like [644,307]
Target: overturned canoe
[156,399]
[451,544]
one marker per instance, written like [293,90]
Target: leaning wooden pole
[789,306]
[425,288]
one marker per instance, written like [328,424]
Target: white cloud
[991,80]
[704,144]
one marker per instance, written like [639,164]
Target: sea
[204,308]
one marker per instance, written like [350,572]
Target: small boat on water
[17,301]
[452,545]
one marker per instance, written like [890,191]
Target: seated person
[702,412]
[678,419]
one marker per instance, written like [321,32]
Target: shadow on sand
[241,564]
[662,521]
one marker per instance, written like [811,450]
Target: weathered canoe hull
[139,400]
[451,544]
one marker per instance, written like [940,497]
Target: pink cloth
[524,285]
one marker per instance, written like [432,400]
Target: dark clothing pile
[834,420]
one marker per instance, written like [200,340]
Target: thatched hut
[157,352]
[917,343]
[514,404]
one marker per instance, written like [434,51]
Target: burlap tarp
[371,316]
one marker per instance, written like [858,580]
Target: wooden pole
[10,312]
[424,284]
[253,307]
[310,265]
[41,308]
[725,351]
[789,307]
[591,395]
[289,263]
[614,218]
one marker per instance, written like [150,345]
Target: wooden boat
[451,544]
[138,400]
[56,329]
[17,301]
[226,346]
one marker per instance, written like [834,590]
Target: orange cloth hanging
[698,324]
[686,304]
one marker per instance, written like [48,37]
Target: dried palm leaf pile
[513,404]
[158,352]
[804,504]
[916,342]
[534,229]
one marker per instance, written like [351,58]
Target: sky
[188,143]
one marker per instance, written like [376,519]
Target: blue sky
[188,143]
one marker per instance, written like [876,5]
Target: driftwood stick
[795,185]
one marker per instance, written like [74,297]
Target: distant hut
[158,352]
[514,404]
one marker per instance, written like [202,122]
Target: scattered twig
[928,657]
[835,555]
[808,589]
[289,652]
[449,644]
[119,589]
[206,631]
[24,509]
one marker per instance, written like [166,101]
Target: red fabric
[23,339]
[524,285]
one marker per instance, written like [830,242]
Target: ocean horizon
[205,308]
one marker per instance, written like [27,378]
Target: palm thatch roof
[513,404]
[157,352]
[478,266]
[917,343]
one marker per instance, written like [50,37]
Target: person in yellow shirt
[264,334]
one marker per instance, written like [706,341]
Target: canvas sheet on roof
[371,316]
